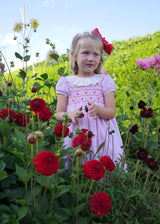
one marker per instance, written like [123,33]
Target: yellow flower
[52,56]
[34,23]
[17,27]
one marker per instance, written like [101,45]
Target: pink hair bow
[107,47]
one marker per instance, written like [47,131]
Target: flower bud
[86,108]
[34,89]
[32,139]
[89,134]
[80,115]
[79,152]
[39,134]
[9,83]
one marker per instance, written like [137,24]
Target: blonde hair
[78,41]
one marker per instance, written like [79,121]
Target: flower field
[35,187]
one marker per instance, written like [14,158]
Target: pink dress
[81,90]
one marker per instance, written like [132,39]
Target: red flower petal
[93,169]
[61,128]
[5,113]
[100,204]
[21,120]
[44,115]
[46,163]
[108,163]
[37,104]
[83,141]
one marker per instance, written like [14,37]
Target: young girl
[89,87]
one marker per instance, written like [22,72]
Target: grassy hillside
[120,65]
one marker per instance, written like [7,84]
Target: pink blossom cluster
[152,62]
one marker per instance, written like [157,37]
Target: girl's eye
[85,52]
[96,54]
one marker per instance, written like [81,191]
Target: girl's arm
[62,107]
[107,112]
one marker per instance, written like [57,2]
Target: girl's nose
[90,57]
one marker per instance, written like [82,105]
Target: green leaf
[48,84]
[22,212]
[62,190]
[44,76]
[38,79]
[81,206]
[26,58]
[5,128]
[3,175]
[100,147]
[82,220]
[18,55]
[22,74]
[2,165]
[22,174]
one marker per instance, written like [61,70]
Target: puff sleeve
[108,84]
[62,86]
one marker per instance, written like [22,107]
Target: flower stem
[4,141]
[126,150]
[85,187]
[40,191]
[53,194]
[147,177]
[137,165]
[32,172]
[90,190]
[146,133]
[144,187]
[154,188]
[104,179]
[44,193]
[91,216]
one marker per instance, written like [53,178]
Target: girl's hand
[73,114]
[92,110]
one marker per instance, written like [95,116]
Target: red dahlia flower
[44,115]
[108,163]
[5,113]
[141,104]
[93,169]
[134,129]
[46,163]
[100,204]
[60,130]
[152,164]
[89,133]
[83,141]
[147,113]
[21,120]
[37,104]
[142,154]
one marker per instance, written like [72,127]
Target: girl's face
[88,58]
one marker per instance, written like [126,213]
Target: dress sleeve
[62,86]
[108,84]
